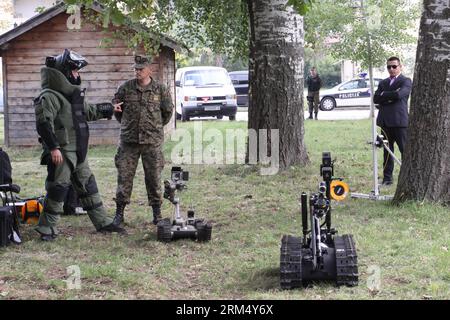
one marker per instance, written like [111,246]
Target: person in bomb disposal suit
[147,108]
[61,122]
[392,99]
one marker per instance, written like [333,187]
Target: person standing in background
[314,84]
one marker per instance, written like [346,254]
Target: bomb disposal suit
[61,121]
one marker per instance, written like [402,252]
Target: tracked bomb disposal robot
[320,255]
[181,227]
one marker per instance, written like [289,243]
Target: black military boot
[112,228]
[310,115]
[156,213]
[315,116]
[118,218]
[48,237]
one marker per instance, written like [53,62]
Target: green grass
[250,213]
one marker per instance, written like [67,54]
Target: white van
[204,92]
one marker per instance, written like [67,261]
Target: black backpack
[5,168]
[9,222]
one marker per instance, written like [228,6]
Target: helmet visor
[76,61]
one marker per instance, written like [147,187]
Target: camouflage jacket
[145,112]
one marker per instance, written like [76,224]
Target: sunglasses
[394,66]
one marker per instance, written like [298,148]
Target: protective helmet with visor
[66,63]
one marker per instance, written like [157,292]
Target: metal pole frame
[375,194]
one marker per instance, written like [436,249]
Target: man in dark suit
[392,99]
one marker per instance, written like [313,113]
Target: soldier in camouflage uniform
[147,107]
[61,122]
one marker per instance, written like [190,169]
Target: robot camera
[177,174]
[326,168]
[326,159]
[322,187]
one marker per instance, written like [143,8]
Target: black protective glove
[106,109]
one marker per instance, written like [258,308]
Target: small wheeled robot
[320,255]
[181,227]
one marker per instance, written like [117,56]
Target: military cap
[141,61]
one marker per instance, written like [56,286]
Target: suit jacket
[393,102]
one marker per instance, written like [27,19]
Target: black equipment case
[6,225]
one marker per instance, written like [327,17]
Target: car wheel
[232,118]
[327,104]
[184,116]
[178,116]
[219,117]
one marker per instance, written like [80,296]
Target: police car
[355,92]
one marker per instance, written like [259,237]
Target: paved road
[344,114]
[336,114]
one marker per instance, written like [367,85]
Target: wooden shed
[23,51]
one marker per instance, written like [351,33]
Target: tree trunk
[425,171]
[276,79]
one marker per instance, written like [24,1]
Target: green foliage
[220,25]
[301,6]
[343,28]
[205,57]
[223,26]
[321,22]
[40,9]
[328,67]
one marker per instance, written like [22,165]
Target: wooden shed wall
[107,69]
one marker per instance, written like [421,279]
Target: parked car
[355,92]
[240,83]
[204,92]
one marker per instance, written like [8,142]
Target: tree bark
[425,170]
[276,78]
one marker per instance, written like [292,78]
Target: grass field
[408,245]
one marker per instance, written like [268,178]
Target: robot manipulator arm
[177,181]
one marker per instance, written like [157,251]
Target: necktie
[392,81]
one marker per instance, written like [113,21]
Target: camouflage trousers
[313,101]
[126,161]
[59,179]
